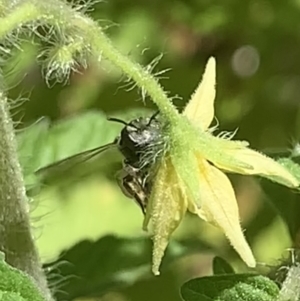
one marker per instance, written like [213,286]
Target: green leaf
[286,202]
[31,142]
[106,264]
[15,285]
[10,296]
[246,287]
[221,266]
[74,135]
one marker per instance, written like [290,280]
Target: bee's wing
[106,159]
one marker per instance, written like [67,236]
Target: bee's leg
[131,188]
[129,169]
[135,174]
[121,176]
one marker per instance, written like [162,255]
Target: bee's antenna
[153,117]
[117,120]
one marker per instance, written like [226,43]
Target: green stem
[16,239]
[141,76]
[23,14]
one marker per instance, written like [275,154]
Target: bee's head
[137,136]
[141,132]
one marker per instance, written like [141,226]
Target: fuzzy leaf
[286,203]
[236,287]
[15,285]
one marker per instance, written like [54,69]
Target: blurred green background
[93,230]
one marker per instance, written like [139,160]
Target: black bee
[140,142]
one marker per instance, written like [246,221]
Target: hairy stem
[290,289]
[141,76]
[15,235]
[86,33]
[25,13]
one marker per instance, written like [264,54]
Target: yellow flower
[190,175]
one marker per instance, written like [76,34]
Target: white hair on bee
[151,158]
[153,152]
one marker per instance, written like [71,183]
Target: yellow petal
[258,164]
[219,207]
[200,109]
[167,206]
